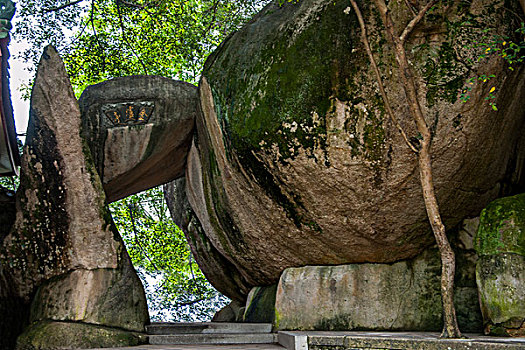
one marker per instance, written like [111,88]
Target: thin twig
[214,8]
[190,302]
[390,112]
[411,7]
[92,20]
[137,239]
[58,8]
[413,23]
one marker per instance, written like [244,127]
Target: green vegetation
[175,287]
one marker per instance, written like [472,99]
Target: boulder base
[401,296]
[67,336]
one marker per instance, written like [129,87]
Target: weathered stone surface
[68,335]
[401,296]
[7,212]
[13,310]
[500,273]
[298,164]
[62,222]
[224,276]
[501,285]
[108,297]
[148,144]
[233,312]
[260,305]
[64,245]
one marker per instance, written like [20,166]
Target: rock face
[139,131]
[296,163]
[7,212]
[260,306]
[224,276]
[64,246]
[401,296]
[53,335]
[233,312]
[13,310]
[500,272]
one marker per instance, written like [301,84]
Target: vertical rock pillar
[65,254]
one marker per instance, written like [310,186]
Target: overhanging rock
[139,130]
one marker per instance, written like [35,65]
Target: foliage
[12,182]
[512,50]
[176,288]
[103,39]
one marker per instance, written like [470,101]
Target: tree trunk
[448,260]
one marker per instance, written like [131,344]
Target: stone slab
[202,347]
[404,296]
[139,130]
[405,340]
[224,338]
[207,328]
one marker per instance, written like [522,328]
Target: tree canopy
[102,39]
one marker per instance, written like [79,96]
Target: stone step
[208,328]
[214,338]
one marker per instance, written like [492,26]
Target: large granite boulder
[64,246]
[296,162]
[401,296]
[500,272]
[139,131]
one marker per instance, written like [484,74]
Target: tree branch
[191,302]
[413,23]
[125,38]
[137,238]
[58,8]
[390,112]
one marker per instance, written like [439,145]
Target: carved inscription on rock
[128,113]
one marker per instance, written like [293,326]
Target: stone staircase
[210,333]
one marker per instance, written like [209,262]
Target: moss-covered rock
[501,286]
[298,163]
[260,306]
[500,272]
[47,335]
[502,227]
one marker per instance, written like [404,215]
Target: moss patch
[502,227]
[47,335]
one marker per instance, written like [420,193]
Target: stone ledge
[402,341]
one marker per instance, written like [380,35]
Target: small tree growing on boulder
[422,148]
